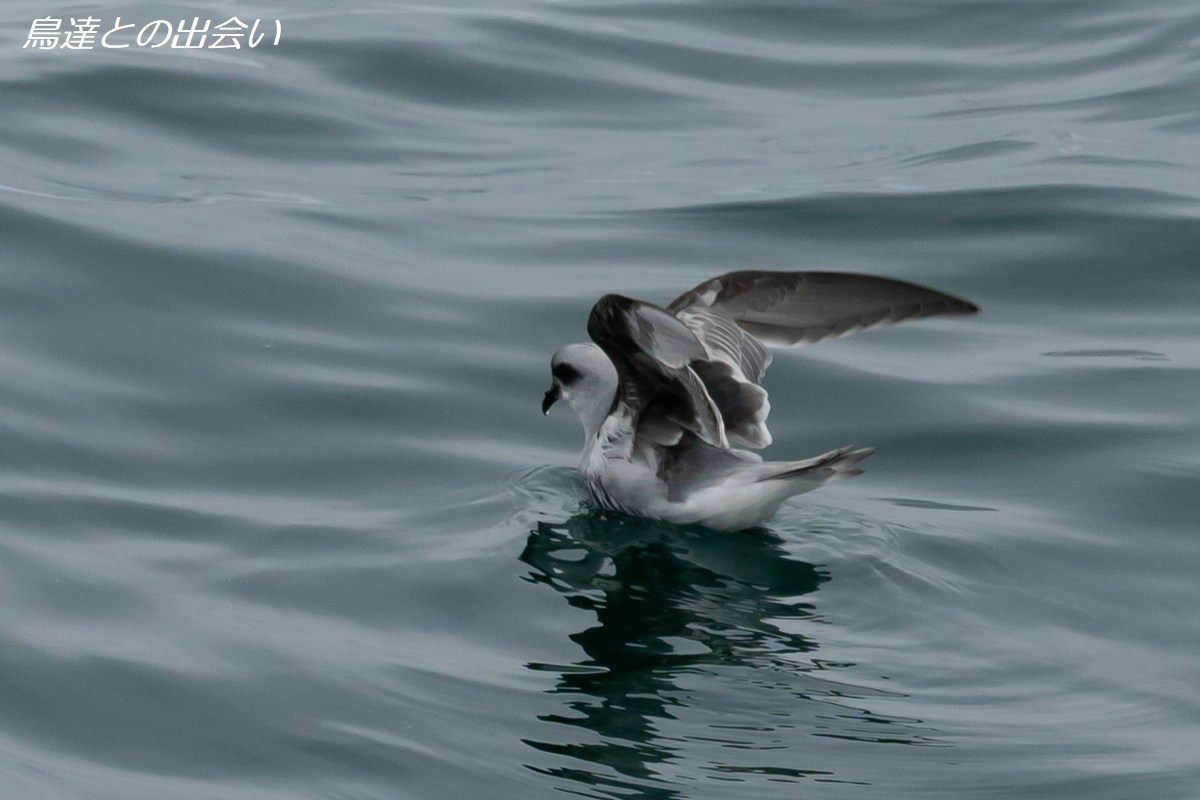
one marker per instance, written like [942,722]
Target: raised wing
[783,308]
[735,364]
[653,353]
[734,314]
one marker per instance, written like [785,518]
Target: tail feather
[834,465]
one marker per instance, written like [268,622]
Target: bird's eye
[566,373]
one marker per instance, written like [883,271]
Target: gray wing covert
[736,364]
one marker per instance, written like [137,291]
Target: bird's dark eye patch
[566,373]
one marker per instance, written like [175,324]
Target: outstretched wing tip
[956,306]
[791,307]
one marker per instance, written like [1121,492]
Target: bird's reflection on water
[678,611]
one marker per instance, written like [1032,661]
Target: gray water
[280,516]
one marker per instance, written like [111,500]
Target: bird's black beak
[552,394]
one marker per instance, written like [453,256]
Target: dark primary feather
[793,307]
[652,351]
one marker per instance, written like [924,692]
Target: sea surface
[280,516]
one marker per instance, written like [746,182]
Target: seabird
[669,397]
